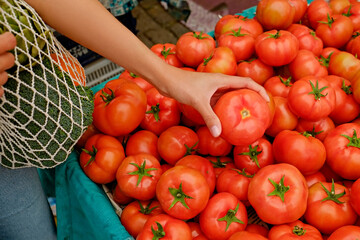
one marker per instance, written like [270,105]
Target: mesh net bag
[46,107]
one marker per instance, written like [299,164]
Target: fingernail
[215,131]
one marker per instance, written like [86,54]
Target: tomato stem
[155,111]
[218,163]
[167,52]
[354,141]
[330,21]
[106,97]
[200,35]
[346,89]
[280,189]
[299,231]
[331,194]
[179,196]
[243,173]
[230,217]
[237,33]
[286,82]
[141,172]
[316,91]
[146,210]
[92,155]
[159,233]
[190,150]
[253,153]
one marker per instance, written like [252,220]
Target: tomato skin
[342,159]
[193,47]
[175,229]
[255,69]
[217,208]
[353,12]
[304,95]
[321,127]
[220,60]
[305,152]
[192,183]
[167,52]
[119,197]
[138,175]
[196,231]
[122,111]
[300,9]
[221,163]
[275,14]
[271,209]
[260,154]
[90,131]
[142,141]
[311,179]
[278,86]
[327,216]
[286,231]
[142,83]
[102,156]
[246,115]
[355,196]
[344,64]
[345,233]
[161,112]
[263,229]
[245,235]
[355,84]
[338,6]
[177,142]
[209,145]
[276,47]
[134,216]
[317,11]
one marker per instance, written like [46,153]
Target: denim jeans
[24,210]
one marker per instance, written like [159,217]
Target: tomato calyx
[106,97]
[92,155]
[166,52]
[146,210]
[253,153]
[330,21]
[155,111]
[346,89]
[237,33]
[331,194]
[311,133]
[218,163]
[325,61]
[190,150]
[207,60]
[199,36]
[286,82]
[348,13]
[179,196]
[316,91]
[354,141]
[276,35]
[133,75]
[141,172]
[159,233]
[245,113]
[230,217]
[280,188]
[243,173]
[299,231]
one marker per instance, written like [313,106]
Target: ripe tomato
[275,14]
[241,42]
[167,52]
[161,112]
[311,98]
[138,175]
[328,207]
[343,64]
[355,196]
[221,163]
[191,114]
[245,235]
[142,141]
[338,6]
[254,68]
[135,214]
[276,47]
[353,12]
[220,60]
[223,216]
[300,9]
[319,128]
[193,47]
[244,115]
[353,44]
[311,179]
[119,107]
[177,142]
[345,232]
[101,157]
[142,83]
[259,228]
[317,11]
[294,230]
[278,193]
[209,145]
[165,226]
[119,197]
[254,156]
[278,86]
[90,131]
[343,150]
[183,192]
[302,150]
[196,231]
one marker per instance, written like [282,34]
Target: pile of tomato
[294,161]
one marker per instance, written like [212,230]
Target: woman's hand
[7,60]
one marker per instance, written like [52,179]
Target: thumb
[211,119]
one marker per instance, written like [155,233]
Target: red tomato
[177,142]
[223,216]
[330,174]
[167,52]
[161,112]
[209,145]
[353,45]
[328,207]
[196,231]
[245,235]
[346,108]
[142,141]
[306,63]
[317,11]
[202,165]
[345,233]
[244,115]
[311,179]
[355,196]
[338,6]
[353,12]
[311,98]
[254,156]
[135,214]
[193,47]
[307,38]
[294,230]
[278,86]
[241,42]
[254,68]
[343,150]
[220,60]
[142,83]
[278,193]
[166,226]
[300,9]
[336,31]
[90,131]
[234,181]
[355,84]
[327,51]
[284,118]
[275,14]
[101,157]
[319,128]
[191,114]
[119,107]
[138,175]
[183,192]
[119,197]
[276,47]
[259,228]
[221,163]
[344,64]
[302,150]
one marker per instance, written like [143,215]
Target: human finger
[210,118]
[3,78]
[7,60]
[7,42]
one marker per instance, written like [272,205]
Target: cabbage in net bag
[45,108]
